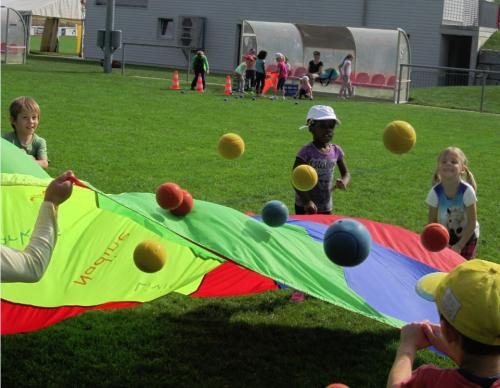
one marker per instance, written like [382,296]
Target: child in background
[239,74]
[24,118]
[305,88]
[468,302]
[322,155]
[282,74]
[250,60]
[260,72]
[452,201]
[345,69]
[200,67]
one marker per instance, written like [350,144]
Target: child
[239,74]
[200,67]
[345,68]
[260,72]
[24,118]
[452,202]
[468,301]
[282,74]
[323,156]
[305,88]
[250,60]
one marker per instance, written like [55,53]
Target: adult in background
[200,67]
[29,265]
[315,67]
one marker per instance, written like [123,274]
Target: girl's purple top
[324,164]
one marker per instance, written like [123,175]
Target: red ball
[186,205]
[169,196]
[434,237]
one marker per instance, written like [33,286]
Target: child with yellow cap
[468,302]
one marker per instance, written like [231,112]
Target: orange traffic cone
[228,89]
[175,81]
[199,84]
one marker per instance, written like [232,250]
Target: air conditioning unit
[191,31]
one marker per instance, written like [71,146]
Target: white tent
[61,9]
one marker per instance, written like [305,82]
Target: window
[125,3]
[166,28]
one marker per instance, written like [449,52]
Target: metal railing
[422,76]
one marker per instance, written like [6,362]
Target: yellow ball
[231,146]
[399,137]
[304,177]
[149,256]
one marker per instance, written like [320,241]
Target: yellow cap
[469,298]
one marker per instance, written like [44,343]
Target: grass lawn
[126,134]
[67,44]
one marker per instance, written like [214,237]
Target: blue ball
[274,213]
[347,242]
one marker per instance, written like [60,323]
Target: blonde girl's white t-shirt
[452,212]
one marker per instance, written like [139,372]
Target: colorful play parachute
[213,251]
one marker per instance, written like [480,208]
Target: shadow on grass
[208,346]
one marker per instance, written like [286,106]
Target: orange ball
[434,237]
[169,196]
[337,385]
[149,256]
[186,206]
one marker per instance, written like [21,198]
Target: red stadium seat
[362,79]
[378,80]
[299,71]
[391,81]
[272,68]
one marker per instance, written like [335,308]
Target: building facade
[441,32]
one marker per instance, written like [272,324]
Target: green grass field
[67,44]
[126,134]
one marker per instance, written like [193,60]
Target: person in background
[250,60]
[200,68]
[315,67]
[345,68]
[239,74]
[260,72]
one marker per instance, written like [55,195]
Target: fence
[470,89]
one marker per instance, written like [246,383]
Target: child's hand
[311,208]
[435,336]
[413,337]
[339,184]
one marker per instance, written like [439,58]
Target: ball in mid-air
[304,177]
[186,206]
[347,242]
[434,237]
[274,213]
[169,195]
[399,137]
[231,146]
[149,256]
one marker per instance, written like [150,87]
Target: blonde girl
[452,201]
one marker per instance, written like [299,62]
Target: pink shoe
[297,296]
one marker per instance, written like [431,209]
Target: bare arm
[30,264]
[304,195]
[412,339]
[469,230]
[44,162]
[344,173]
[433,215]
